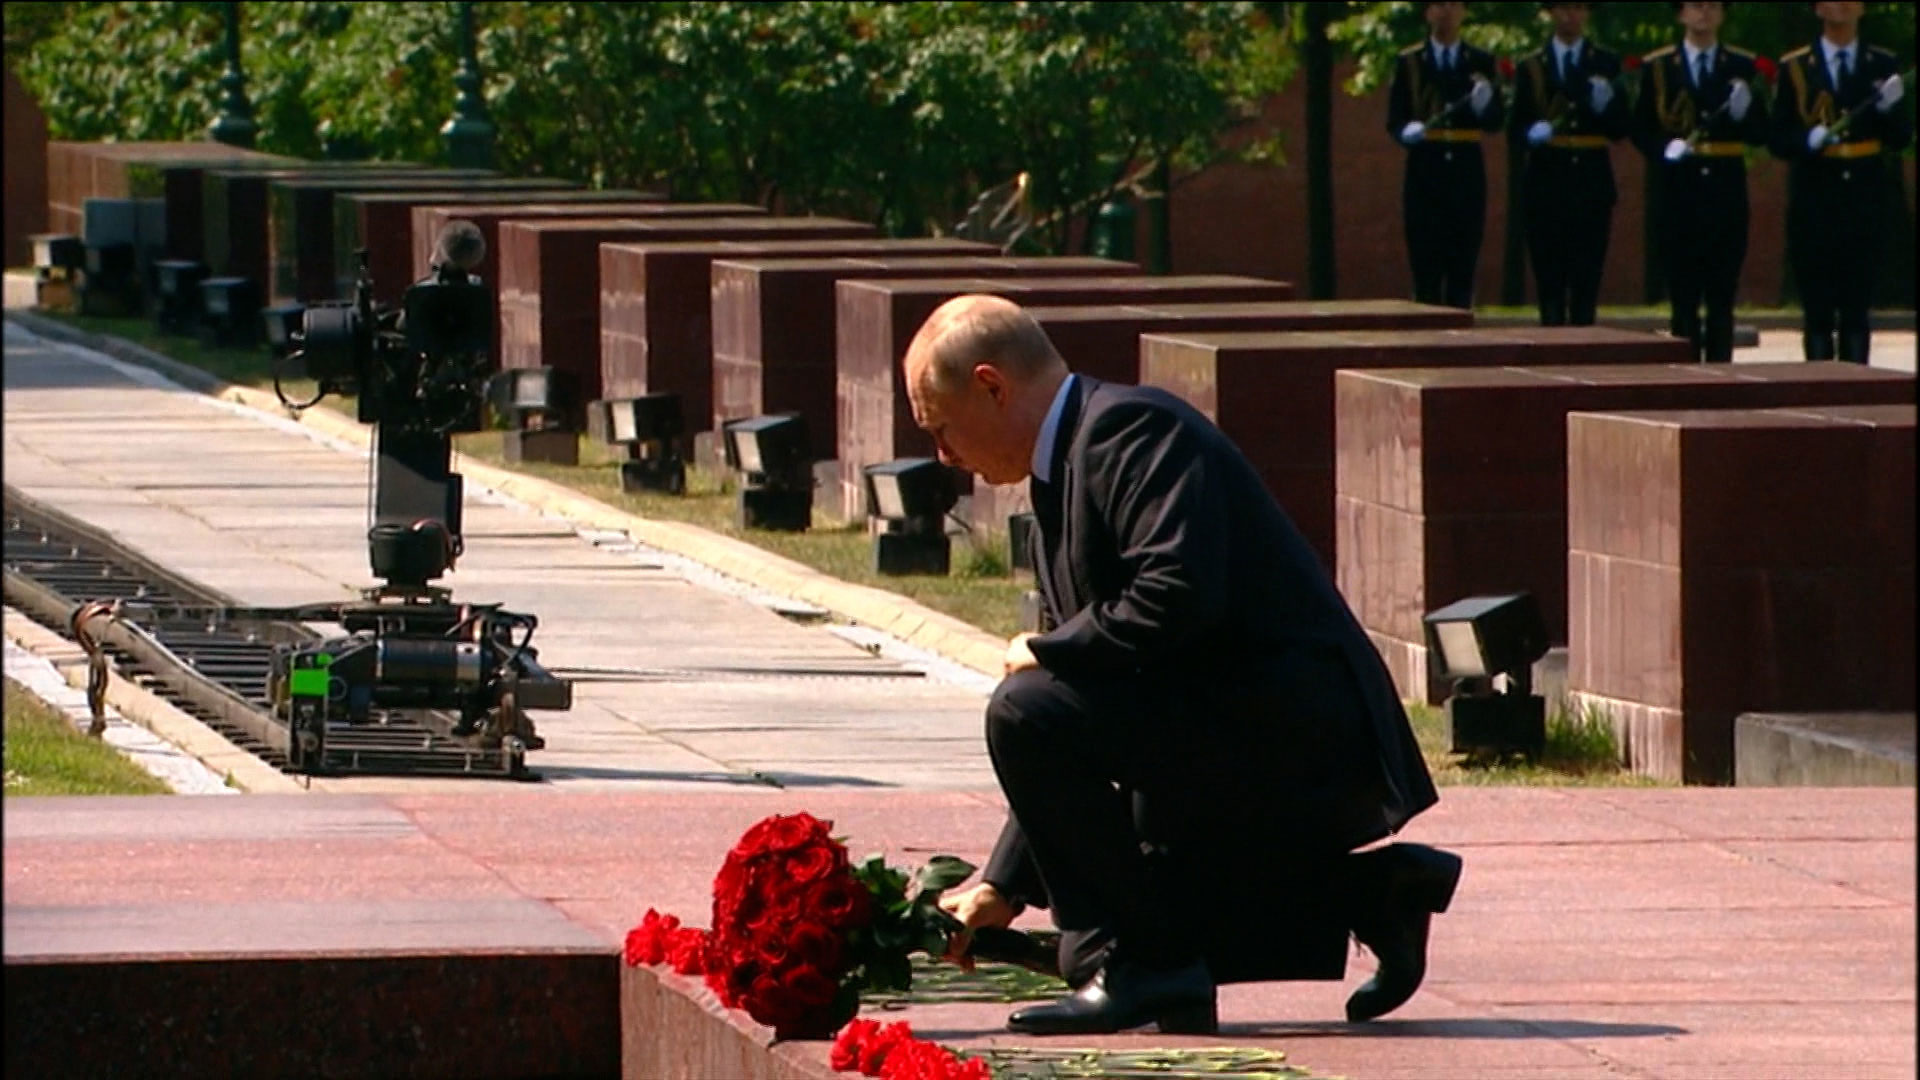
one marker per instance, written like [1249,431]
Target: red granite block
[1774,590]
[656,308]
[236,224]
[550,280]
[775,315]
[1468,450]
[383,223]
[878,321]
[300,225]
[429,220]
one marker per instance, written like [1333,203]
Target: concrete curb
[879,609]
[192,737]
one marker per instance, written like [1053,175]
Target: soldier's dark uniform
[1836,197]
[1703,222]
[1568,182]
[1443,199]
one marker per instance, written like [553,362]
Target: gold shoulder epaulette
[1664,50]
[1413,49]
[1878,50]
[1797,54]
[1735,50]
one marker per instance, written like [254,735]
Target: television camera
[420,373]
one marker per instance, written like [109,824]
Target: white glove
[1739,100]
[1817,137]
[1676,149]
[1891,91]
[1540,132]
[1481,95]
[1413,132]
[1602,93]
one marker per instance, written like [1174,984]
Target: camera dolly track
[216,660]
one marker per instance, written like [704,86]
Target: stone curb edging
[887,612]
[194,738]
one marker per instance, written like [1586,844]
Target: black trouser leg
[1588,258]
[1059,751]
[1810,247]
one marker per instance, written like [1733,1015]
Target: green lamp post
[468,133]
[234,126]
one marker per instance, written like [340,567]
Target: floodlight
[772,456]
[176,287]
[1473,642]
[911,497]
[650,427]
[281,322]
[533,402]
[229,312]
[58,255]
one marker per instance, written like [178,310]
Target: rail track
[210,656]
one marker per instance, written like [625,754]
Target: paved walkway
[1599,933]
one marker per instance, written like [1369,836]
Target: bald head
[979,329]
[980,376]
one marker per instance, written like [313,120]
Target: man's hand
[1540,132]
[1019,657]
[1739,99]
[1602,93]
[979,906]
[1891,91]
[1481,95]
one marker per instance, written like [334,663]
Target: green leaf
[942,872]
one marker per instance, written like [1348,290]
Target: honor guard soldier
[1442,101]
[1697,114]
[1568,105]
[1837,119]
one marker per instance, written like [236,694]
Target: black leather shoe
[1418,882]
[1125,995]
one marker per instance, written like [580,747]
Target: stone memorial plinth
[1272,393]
[877,320]
[429,220]
[1106,343]
[300,230]
[382,222]
[235,223]
[1733,561]
[1453,482]
[550,280]
[774,324]
[78,171]
[656,308]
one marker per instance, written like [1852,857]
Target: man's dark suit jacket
[1167,567]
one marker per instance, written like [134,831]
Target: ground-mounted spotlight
[229,312]
[110,280]
[281,321]
[533,402]
[58,259]
[176,295]
[909,499]
[1480,639]
[776,471]
[650,427]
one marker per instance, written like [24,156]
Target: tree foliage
[891,112]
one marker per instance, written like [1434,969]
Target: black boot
[1817,346]
[1853,346]
[1414,883]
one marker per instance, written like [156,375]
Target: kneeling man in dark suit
[1196,746]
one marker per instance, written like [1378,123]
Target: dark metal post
[468,133]
[1318,61]
[234,126]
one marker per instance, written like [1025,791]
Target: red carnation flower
[874,1052]
[853,1038]
[647,943]
[1633,62]
[687,950]
[1767,68]
[1506,67]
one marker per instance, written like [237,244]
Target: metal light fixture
[1480,639]
[651,428]
[771,453]
[533,402]
[910,498]
[229,312]
[58,259]
[281,321]
[176,287]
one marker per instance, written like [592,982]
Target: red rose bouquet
[799,931]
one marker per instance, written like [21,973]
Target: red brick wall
[1247,219]
[26,171]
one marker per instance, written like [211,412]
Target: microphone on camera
[461,246]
